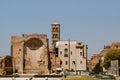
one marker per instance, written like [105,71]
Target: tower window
[55,35]
[53,29]
[56,29]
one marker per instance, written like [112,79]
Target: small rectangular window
[80,62]
[65,44]
[73,62]
[61,62]
[60,52]
[80,53]
[19,49]
[66,62]
[71,52]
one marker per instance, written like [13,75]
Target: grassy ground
[83,78]
[79,78]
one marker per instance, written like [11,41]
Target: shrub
[48,75]
[9,76]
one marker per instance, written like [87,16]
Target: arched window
[56,29]
[55,35]
[65,52]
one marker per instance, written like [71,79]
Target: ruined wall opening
[34,50]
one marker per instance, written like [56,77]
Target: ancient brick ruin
[30,53]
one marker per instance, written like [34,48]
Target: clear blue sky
[94,22]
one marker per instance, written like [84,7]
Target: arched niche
[33,43]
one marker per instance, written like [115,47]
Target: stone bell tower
[55,60]
[55,33]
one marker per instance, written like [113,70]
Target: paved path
[26,78]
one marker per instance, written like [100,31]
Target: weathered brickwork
[30,53]
[5,65]
[95,58]
[54,58]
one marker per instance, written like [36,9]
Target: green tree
[97,69]
[113,54]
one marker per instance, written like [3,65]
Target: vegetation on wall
[113,54]
[97,69]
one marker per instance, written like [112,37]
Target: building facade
[73,55]
[30,53]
